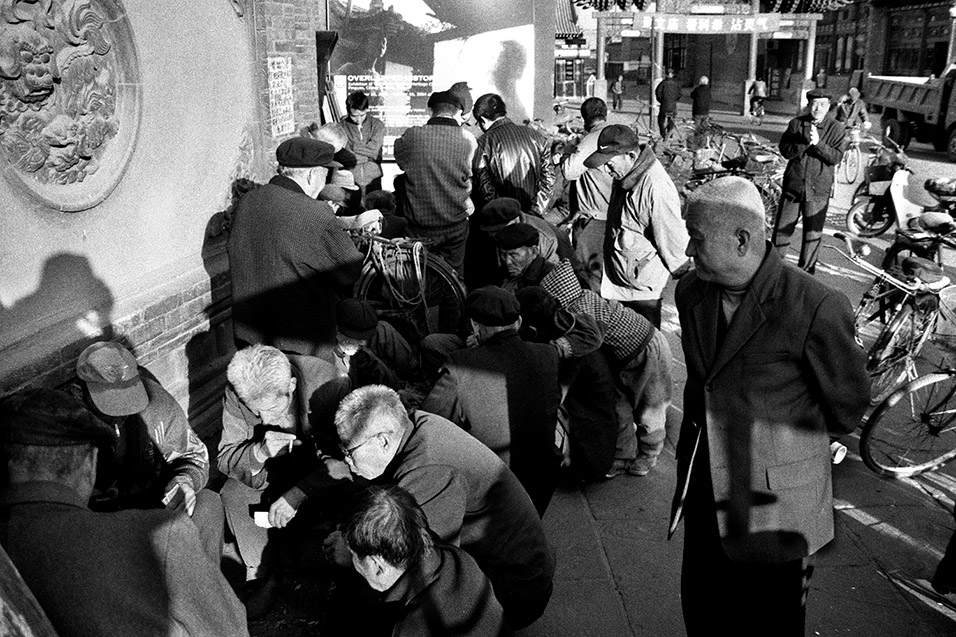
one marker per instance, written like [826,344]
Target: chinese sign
[679,23]
[281,103]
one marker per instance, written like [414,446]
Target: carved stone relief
[69,98]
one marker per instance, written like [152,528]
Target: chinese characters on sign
[677,23]
[281,104]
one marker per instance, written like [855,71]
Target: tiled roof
[565,22]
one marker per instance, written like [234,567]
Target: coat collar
[416,579]
[40,491]
[284,182]
[443,121]
[644,161]
[747,320]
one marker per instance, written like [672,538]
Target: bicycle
[852,157]
[407,284]
[914,430]
[906,308]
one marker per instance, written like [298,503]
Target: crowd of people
[436,456]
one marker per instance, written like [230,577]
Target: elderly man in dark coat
[488,391]
[814,144]
[773,371]
[469,496]
[290,260]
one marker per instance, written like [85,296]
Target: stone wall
[141,259]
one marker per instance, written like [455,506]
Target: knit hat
[492,306]
[49,418]
[498,213]
[356,319]
[517,235]
[112,378]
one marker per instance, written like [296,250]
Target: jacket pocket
[794,474]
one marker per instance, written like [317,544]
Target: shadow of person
[70,298]
[508,69]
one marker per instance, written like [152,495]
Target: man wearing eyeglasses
[273,410]
[469,496]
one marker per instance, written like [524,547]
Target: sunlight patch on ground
[879,526]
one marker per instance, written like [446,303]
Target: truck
[918,108]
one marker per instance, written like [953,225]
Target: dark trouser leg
[209,518]
[786,223]
[251,539]
[651,310]
[814,218]
[662,123]
[589,249]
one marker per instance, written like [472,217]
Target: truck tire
[897,131]
[951,145]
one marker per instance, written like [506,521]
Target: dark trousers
[665,121]
[448,243]
[814,213]
[617,100]
[721,597]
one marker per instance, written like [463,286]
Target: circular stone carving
[69,98]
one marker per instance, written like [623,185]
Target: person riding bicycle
[852,110]
[758,93]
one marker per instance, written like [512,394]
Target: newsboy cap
[49,418]
[356,319]
[112,378]
[303,152]
[614,140]
[816,94]
[492,306]
[445,97]
[517,235]
[498,213]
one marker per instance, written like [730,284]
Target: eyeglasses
[348,452]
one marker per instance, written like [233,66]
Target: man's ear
[743,241]
[292,383]
[379,563]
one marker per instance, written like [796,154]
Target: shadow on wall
[508,69]
[69,297]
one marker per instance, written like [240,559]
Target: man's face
[349,346]
[517,260]
[369,457]
[620,165]
[276,409]
[819,108]
[358,116]
[713,249]
[378,575]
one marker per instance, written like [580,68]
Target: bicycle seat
[922,269]
[942,188]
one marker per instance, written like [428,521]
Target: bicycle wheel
[914,429]
[892,359]
[869,217]
[851,165]
[439,310]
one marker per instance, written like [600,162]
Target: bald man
[772,371]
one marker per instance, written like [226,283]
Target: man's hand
[336,550]
[337,469]
[284,509]
[185,503]
[814,135]
[190,496]
[276,443]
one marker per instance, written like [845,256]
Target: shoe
[641,465]
[618,468]
[260,596]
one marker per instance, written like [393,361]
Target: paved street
[619,576]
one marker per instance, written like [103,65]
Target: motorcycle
[900,202]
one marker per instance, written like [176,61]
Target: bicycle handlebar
[857,258]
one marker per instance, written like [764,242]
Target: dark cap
[816,94]
[356,319]
[463,91]
[614,140]
[49,418]
[445,97]
[498,213]
[492,306]
[517,235]
[112,378]
[302,152]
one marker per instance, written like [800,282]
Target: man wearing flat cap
[290,260]
[814,144]
[644,239]
[112,574]
[370,351]
[437,158]
[488,391]
[520,257]
[155,459]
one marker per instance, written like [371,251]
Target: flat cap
[445,97]
[492,306]
[517,235]
[112,378]
[356,319]
[49,418]
[302,152]
[614,140]
[816,94]
[498,213]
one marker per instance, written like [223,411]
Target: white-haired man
[772,371]
[469,496]
[273,413]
